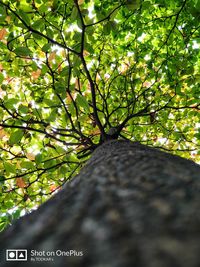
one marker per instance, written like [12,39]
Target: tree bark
[131,205]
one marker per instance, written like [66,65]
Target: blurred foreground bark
[131,205]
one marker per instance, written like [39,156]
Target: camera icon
[16,255]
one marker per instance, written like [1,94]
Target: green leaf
[46,47]
[9,205]
[27,165]
[146,4]
[89,48]
[38,24]
[49,164]
[24,16]
[1,77]
[107,28]
[81,100]
[133,4]
[74,14]
[60,87]
[63,170]
[2,179]
[50,33]
[16,137]
[10,168]
[22,51]
[38,158]
[65,71]
[23,109]
[77,36]
[3,225]
[16,214]
[197,5]
[44,69]
[43,8]
[53,115]
[10,103]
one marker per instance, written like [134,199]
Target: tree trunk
[131,205]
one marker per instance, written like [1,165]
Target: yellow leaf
[8,18]
[2,133]
[30,156]
[18,165]
[85,52]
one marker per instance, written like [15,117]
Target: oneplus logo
[16,254]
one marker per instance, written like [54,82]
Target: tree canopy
[74,74]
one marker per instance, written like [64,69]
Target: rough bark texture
[131,205]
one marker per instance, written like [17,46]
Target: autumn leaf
[146,84]
[69,98]
[96,132]
[20,182]
[3,33]
[53,187]
[36,74]
[51,56]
